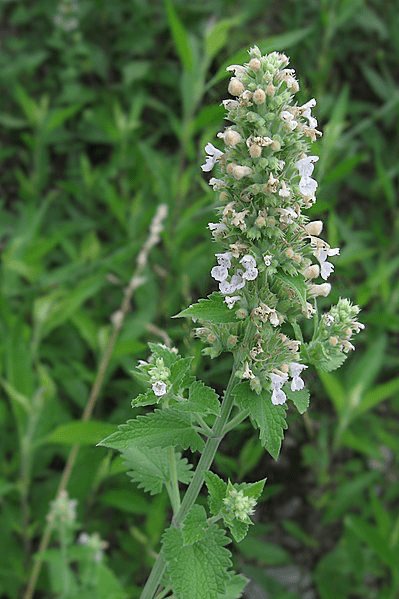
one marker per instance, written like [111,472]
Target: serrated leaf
[212,309]
[145,399]
[202,400]
[179,373]
[331,363]
[150,467]
[200,570]
[235,587]
[252,489]
[300,398]
[270,419]
[238,529]
[217,492]
[297,285]
[195,525]
[162,428]
[168,356]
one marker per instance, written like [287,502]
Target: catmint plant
[271,265]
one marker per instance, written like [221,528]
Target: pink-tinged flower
[213,155]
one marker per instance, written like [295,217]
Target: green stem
[240,417]
[174,493]
[203,466]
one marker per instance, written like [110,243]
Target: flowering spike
[269,246]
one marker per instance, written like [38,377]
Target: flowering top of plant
[271,254]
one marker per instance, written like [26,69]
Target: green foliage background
[100,125]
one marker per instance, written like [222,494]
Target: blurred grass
[100,125]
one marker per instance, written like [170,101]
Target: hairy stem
[203,466]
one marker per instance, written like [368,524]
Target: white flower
[295,369]
[230,301]
[267,259]
[326,267]
[250,274]
[219,273]
[214,155]
[307,186]
[306,111]
[217,228]
[248,261]
[159,388]
[278,396]
[306,166]
[217,183]
[284,191]
[230,104]
[224,259]
[288,118]
[287,215]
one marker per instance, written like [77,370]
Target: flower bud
[312,272]
[242,313]
[241,171]
[235,88]
[320,290]
[270,89]
[232,341]
[255,151]
[255,64]
[314,228]
[259,96]
[231,138]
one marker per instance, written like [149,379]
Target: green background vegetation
[100,125]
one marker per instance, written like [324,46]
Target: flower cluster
[67,15]
[239,505]
[95,545]
[272,255]
[63,510]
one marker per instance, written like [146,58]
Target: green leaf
[234,587]
[297,285]
[195,525]
[349,494]
[212,309]
[374,540]
[217,492]
[150,468]
[270,419]
[126,500]
[238,529]
[264,552]
[180,36]
[202,400]
[254,490]
[199,570]
[300,398]
[58,116]
[162,428]
[179,374]
[79,432]
[217,35]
